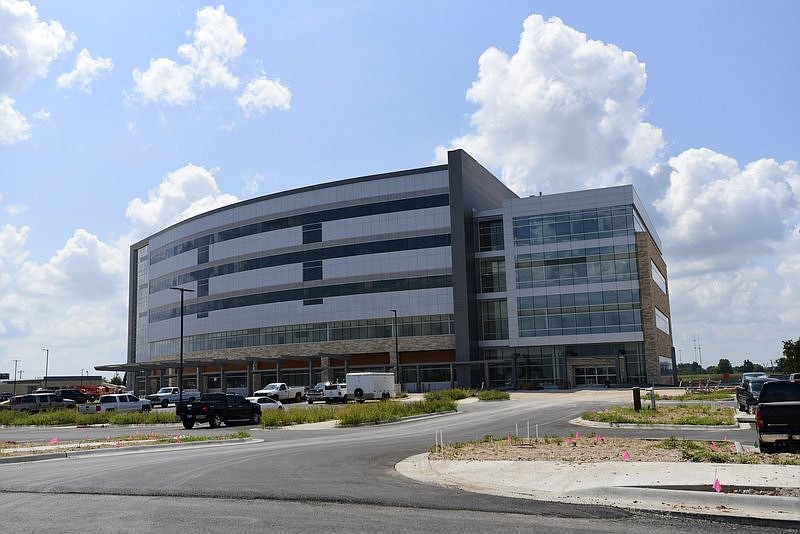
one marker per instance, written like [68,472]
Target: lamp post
[396,352]
[46,362]
[180,368]
[81,376]
[15,376]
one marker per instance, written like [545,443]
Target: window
[665,365]
[493,275]
[490,235]
[658,278]
[662,321]
[494,319]
[312,233]
[312,270]
[202,254]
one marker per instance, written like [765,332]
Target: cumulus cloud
[183,193]
[87,69]
[28,45]
[717,212]
[251,184]
[216,41]
[559,114]
[14,127]
[262,95]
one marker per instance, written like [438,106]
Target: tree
[791,352]
[758,368]
[696,369]
[747,367]
[724,366]
[117,381]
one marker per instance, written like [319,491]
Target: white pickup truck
[118,402]
[282,392]
[170,395]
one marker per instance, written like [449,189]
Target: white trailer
[368,386]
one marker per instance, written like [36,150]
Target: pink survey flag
[597,439]
[717,486]
[54,441]
[626,456]
[569,441]
[577,435]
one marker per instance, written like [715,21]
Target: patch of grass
[719,394]
[492,395]
[450,394]
[681,414]
[721,452]
[72,417]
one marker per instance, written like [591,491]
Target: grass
[357,414]
[682,414]
[720,452]
[72,417]
[720,394]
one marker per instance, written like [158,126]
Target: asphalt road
[295,480]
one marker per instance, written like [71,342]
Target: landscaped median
[681,414]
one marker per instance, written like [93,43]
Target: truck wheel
[188,424]
[214,421]
[298,397]
[358,395]
[310,401]
[164,403]
[766,447]
[255,418]
[145,409]
[742,407]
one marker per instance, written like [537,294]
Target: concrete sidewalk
[682,487]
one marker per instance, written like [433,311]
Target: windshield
[271,386]
[756,386]
[165,390]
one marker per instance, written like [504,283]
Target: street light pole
[180,368]
[46,362]
[15,376]
[396,352]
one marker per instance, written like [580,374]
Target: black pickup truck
[777,415]
[218,408]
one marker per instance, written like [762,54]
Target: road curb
[598,424]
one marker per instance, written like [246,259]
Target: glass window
[493,275]
[490,235]
[662,321]
[658,278]
[494,319]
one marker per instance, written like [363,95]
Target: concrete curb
[597,424]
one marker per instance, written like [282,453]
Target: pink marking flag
[54,441]
[178,437]
[714,446]
[569,441]
[119,444]
[577,435]
[597,439]
[717,486]
[626,456]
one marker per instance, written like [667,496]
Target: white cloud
[216,42]
[27,45]
[87,69]
[251,184]
[262,95]
[42,115]
[14,127]
[15,209]
[183,193]
[561,113]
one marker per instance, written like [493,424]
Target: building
[441,274]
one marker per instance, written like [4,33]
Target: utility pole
[15,375]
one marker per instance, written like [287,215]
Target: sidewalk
[682,487]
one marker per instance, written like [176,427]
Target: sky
[120,118]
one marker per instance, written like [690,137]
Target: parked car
[748,376]
[75,394]
[750,390]
[117,402]
[266,403]
[794,377]
[777,415]
[218,408]
[170,395]
[334,393]
[282,392]
[315,394]
[36,402]
[5,396]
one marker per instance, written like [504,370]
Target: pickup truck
[116,402]
[170,395]
[750,389]
[218,408]
[778,415]
[282,392]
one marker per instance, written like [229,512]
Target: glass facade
[579,225]
[525,367]
[577,266]
[658,278]
[597,312]
[142,283]
[427,325]
[494,319]
[493,275]
[662,321]
[490,236]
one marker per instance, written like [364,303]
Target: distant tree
[791,352]
[712,369]
[724,366]
[780,365]
[696,369]
[684,368]
[758,367]
[117,381]
[747,367]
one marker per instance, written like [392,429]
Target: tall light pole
[15,376]
[180,368]
[46,362]
[396,352]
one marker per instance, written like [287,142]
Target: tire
[164,403]
[298,397]
[358,394]
[310,402]
[255,418]
[188,424]
[766,448]
[145,409]
[742,407]
[214,421]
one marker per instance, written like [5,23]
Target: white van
[370,385]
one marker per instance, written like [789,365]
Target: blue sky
[692,102]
